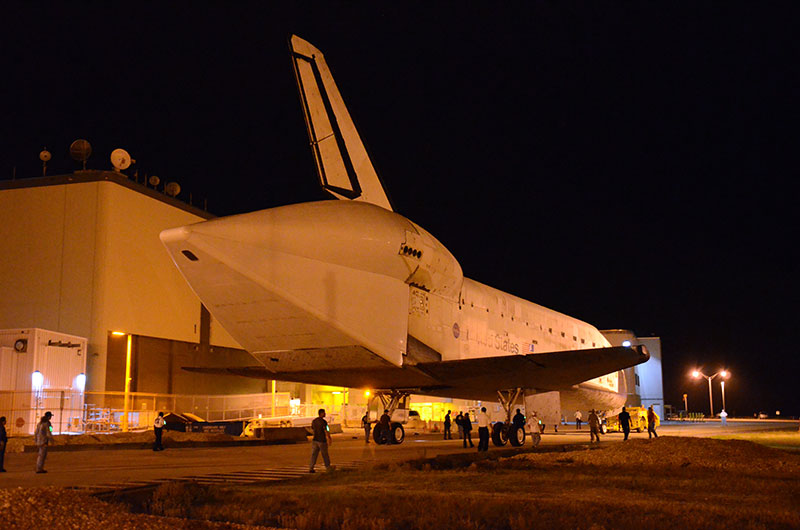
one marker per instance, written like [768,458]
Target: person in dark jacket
[385,426]
[518,420]
[366,425]
[3,443]
[460,425]
[447,435]
[466,424]
[625,422]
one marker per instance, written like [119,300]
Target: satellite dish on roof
[120,159]
[172,188]
[45,157]
[80,151]
[154,180]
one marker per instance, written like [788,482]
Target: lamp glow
[37,380]
[80,382]
[118,333]
[626,343]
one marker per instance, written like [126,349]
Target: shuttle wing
[469,378]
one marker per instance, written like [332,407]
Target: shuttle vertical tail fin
[343,165]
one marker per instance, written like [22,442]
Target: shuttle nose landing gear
[505,432]
[391,401]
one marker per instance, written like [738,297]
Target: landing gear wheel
[499,434]
[516,435]
[398,434]
[536,438]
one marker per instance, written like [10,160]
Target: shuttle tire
[500,434]
[516,435]
[398,434]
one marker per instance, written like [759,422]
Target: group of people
[384,424]
[625,422]
[43,435]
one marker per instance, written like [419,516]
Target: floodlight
[80,382]
[37,380]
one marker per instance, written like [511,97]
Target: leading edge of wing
[544,371]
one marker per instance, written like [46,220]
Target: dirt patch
[25,508]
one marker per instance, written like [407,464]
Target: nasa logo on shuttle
[456,330]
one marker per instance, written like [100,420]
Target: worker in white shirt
[483,430]
[158,428]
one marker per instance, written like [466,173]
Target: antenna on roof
[45,157]
[80,151]
[172,188]
[120,159]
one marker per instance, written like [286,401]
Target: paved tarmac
[93,468]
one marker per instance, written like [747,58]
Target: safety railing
[79,412]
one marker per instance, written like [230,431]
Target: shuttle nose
[359,236]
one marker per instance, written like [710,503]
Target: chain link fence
[103,412]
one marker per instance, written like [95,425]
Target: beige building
[81,255]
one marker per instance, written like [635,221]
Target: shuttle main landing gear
[505,432]
[391,401]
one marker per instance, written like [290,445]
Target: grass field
[669,482]
[788,440]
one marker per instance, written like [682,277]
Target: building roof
[92,175]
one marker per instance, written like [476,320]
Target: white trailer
[41,371]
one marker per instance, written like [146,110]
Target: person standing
[42,437]
[483,430]
[594,426]
[651,422]
[158,429]
[578,418]
[466,425]
[723,418]
[366,425]
[320,441]
[385,426]
[625,422]
[3,443]
[460,425]
[447,435]
[518,420]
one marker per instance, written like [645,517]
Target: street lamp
[724,374]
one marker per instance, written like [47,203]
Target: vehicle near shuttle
[349,293]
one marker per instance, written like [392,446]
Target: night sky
[629,164]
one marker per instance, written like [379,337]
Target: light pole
[724,374]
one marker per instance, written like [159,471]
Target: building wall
[84,258]
[650,376]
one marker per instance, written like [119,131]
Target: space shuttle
[349,293]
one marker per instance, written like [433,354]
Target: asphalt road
[95,467]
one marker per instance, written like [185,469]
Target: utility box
[41,371]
